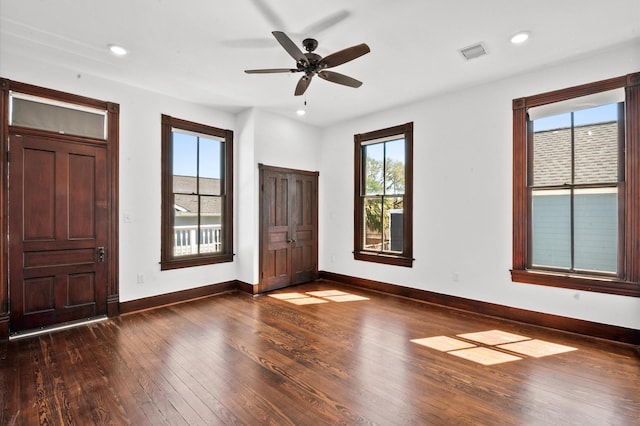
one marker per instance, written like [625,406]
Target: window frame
[359,253]
[627,281]
[167,259]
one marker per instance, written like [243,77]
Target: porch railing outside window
[186,242]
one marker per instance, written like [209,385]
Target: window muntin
[197,194]
[614,189]
[574,203]
[383,196]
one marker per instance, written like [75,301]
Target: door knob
[100,254]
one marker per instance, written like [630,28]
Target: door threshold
[53,328]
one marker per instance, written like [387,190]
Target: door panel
[39,207]
[57,221]
[304,258]
[82,217]
[276,269]
[288,228]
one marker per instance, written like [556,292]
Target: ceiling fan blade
[290,47]
[335,77]
[268,13]
[251,43]
[302,85]
[345,55]
[270,70]
[325,23]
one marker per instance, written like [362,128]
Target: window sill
[577,282]
[387,259]
[195,261]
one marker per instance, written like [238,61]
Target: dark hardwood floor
[238,359]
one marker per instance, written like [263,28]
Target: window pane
[373,169]
[393,224]
[596,229]
[372,224]
[56,118]
[210,165]
[394,167]
[185,161]
[210,220]
[552,150]
[551,228]
[185,224]
[596,145]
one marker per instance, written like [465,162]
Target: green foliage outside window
[385,190]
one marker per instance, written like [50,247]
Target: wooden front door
[288,227]
[58,229]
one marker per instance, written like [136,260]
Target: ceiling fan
[313,64]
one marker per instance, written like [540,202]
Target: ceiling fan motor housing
[313,65]
[310,44]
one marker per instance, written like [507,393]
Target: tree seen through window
[384,169]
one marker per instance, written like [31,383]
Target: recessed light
[301,112]
[117,50]
[520,37]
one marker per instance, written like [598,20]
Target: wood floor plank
[243,360]
[143,355]
[245,370]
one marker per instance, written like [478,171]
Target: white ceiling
[197,49]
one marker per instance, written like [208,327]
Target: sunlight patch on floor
[493,346]
[314,297]
[443,343]
[485,356]
[493,337]
[537,348]
[326,293]
[298,298]
[337,296]
[287,296]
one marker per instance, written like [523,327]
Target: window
[384,196]
[197,194]
[576,177]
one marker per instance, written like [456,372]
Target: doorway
[61,205]
[288,227]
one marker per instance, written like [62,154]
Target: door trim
[112,150]
[260,288]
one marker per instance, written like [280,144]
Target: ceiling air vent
[473,51]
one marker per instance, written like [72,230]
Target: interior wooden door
[58,229]
[304,227]
[289,227]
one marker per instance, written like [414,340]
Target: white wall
[272,140]
[462,186]
[140,191]
[246,200]
[462,194]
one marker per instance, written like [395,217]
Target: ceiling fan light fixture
[520,37]
[117,49]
